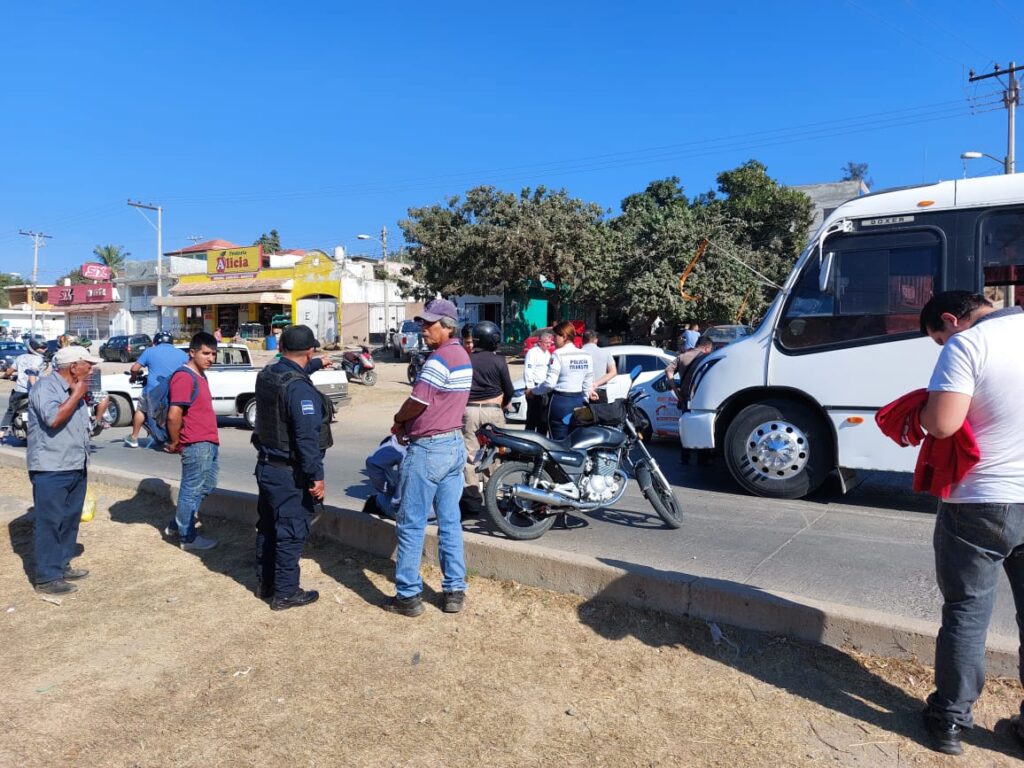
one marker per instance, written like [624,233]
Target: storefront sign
[234,261]
[68,295]
[93,271]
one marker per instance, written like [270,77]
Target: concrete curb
[712,600]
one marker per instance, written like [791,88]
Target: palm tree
[113,256]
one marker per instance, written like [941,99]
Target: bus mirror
[825,272]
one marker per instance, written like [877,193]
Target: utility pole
[1011,100]
[384,252]
[159,254]
[37,243]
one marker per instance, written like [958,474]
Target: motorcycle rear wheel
[660,496]
[516,518]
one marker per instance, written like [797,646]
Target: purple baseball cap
[437,309]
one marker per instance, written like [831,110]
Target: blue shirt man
[160,361]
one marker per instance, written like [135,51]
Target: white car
[660,406]
[232,384]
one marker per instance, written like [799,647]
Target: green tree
[113,256]
[7,279]
[75,276]
[856,172]
[490,241]
[271,243]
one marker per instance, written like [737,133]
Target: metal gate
[396,314]
[320,313]
[145,322]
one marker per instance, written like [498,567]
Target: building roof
[228,285]
[207,245]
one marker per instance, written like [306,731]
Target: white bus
[796,399]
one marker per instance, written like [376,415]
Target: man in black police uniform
[293,430]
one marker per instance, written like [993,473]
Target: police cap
[298,338]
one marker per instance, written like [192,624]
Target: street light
[1005,162]
[384,260]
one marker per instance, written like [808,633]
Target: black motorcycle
[416,361]
[538,479]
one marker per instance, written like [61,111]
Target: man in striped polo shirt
[430,423]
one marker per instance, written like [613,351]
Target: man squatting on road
[430,421]
[979,529]
[58,459]
[192,432]
[293,432]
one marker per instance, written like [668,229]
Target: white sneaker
[198,544]
[131,442]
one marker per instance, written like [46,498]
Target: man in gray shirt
[604,365]
[58,456]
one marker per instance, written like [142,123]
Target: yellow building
[244,293]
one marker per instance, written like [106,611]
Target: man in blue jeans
[58,458]
[430,423]
[979,529]
[192,432]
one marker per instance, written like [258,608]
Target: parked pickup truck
[232,384]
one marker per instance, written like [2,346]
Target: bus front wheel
[778,449]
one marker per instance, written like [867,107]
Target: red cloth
[941,464]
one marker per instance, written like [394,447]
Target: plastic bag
[89,506]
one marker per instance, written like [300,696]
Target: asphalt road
[870,548]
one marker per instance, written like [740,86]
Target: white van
[797,398]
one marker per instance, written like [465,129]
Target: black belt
[483,405]
[276,462]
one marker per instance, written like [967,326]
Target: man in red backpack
[979,528]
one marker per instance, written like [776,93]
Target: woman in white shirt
[570,380]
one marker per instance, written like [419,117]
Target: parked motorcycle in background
[93,399]
[416,361]
[358,365]
[538,479]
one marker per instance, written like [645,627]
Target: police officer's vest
[272,426]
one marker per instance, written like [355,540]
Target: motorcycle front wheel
[516,518]
[369,378]
[660,495]
[411,373]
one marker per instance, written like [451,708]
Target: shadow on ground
[818,673]
[235,553]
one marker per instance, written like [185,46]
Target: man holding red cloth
[979,529]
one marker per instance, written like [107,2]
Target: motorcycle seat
[530,436]
[579,439]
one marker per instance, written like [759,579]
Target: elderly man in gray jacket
[58,456]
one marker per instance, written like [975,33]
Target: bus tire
[778,449]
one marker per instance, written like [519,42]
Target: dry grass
[166,659]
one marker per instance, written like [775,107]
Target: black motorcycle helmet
[163,338]
[38,345]
[486,335]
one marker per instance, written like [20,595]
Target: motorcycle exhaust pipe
[540,496]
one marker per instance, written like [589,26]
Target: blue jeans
[972,543]
[57,498]
[198,479]
[431,476]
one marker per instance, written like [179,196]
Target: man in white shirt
[535,370]
[27,369]
[604,365]
[979,529]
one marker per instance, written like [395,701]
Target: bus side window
[876,290]
[1002,257]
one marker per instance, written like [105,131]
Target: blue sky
[324,120]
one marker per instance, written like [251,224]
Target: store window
[874,288]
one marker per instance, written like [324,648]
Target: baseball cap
[298,338]
[437,309]
[69,355]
